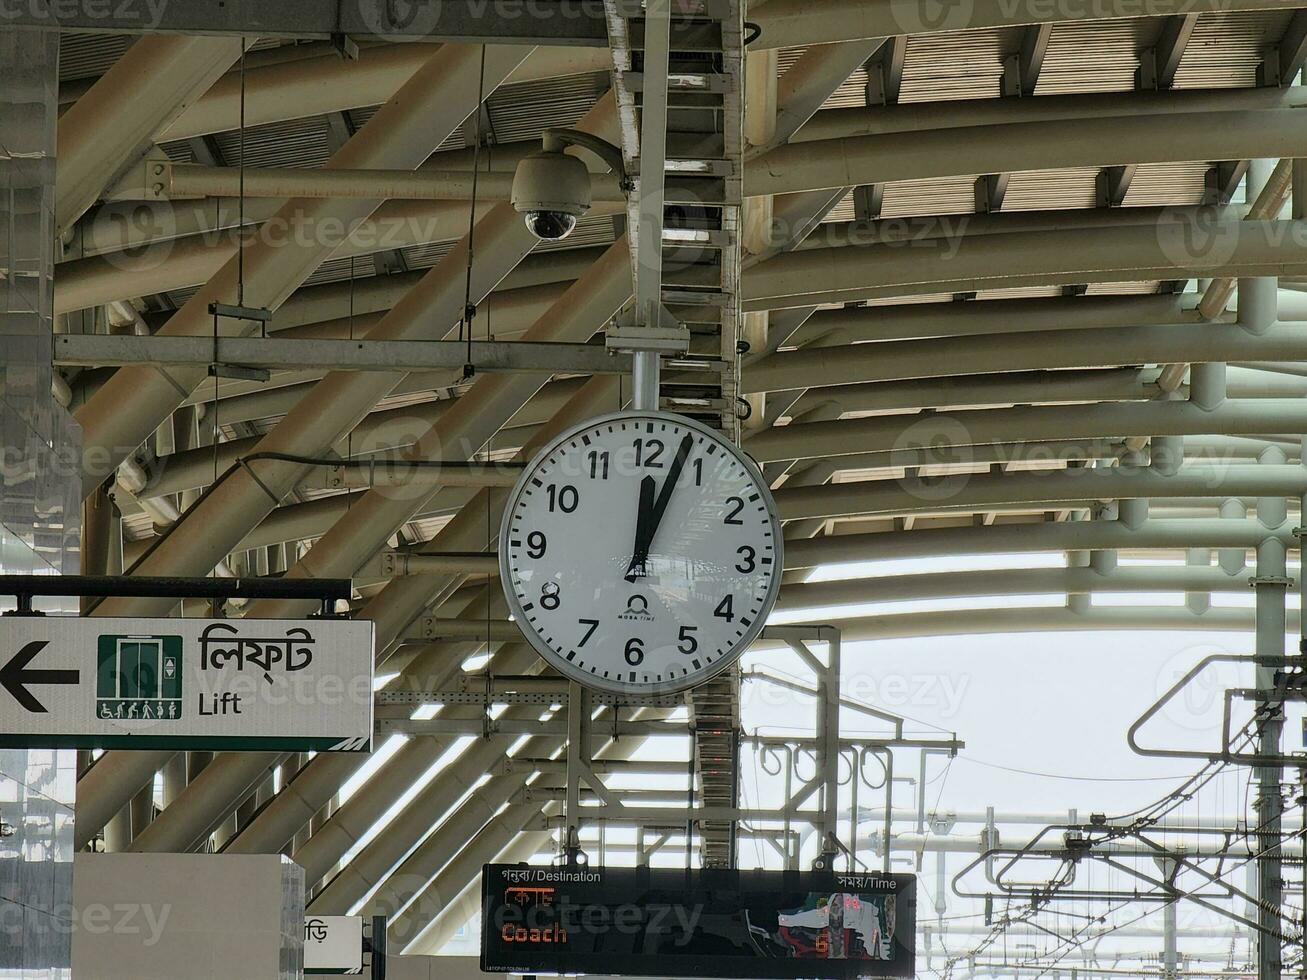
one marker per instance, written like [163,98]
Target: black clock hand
[660,505]
[640,550]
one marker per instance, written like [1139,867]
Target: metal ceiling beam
[123,413]
[403,133]
[909,360]
[148,87]
[366,355]
[299,88]
[1021,68]
[786,23]
[568,22]
[811,440]
[392,610]
[1284,62]
[972,492]
[1106,254]
[1049,145]
[473,420]
[1158,64]
[962,113]
[1023,538]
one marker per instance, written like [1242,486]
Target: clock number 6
[635,651]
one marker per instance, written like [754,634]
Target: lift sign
[295,685]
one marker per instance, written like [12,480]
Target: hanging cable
[469,309]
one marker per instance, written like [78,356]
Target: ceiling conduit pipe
[136,401]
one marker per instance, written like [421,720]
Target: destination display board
[697,923]
[262,684]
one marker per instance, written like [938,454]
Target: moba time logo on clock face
[640,553]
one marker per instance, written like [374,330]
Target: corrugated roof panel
[519,112]
[1226,48]
[293,143]
[1162,184]
[1094,56]
[844,211]
[1043,190]
[90,55]
[1019,292]
[526,109]
[941,195]
[1143,288]
[962,65]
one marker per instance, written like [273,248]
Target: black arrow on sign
[14,677]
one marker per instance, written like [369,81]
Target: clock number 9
[549,596]
[536,544]
[635,651]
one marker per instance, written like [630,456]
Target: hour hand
[643,531]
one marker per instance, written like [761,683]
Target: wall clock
[640,553]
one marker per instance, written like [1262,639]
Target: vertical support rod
[829,722]
[653,162]
[1271,587]
[578,732]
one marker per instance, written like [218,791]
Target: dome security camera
[551,190]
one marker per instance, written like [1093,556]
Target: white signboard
[333,944]
[265,684]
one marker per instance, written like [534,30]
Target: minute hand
[660,505]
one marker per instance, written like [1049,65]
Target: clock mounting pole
[647,330]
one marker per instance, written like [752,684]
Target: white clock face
[640,553]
